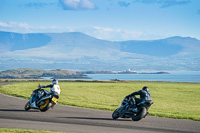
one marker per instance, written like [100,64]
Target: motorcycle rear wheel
[46,106]
[115,114]
[141,114]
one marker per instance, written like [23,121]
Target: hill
[14,41]
[78,51]
[24,73]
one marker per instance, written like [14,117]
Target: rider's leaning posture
[144,96]
[55,90]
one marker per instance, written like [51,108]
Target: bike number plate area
[54,99]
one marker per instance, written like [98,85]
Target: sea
[172,77]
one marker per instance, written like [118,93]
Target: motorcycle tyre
[27,106]
[141,114]
[45,107]
[115,114]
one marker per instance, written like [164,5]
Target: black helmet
[145,88]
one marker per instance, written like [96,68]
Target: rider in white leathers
[55,90]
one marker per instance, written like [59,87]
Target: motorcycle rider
[144,96]
[55,88]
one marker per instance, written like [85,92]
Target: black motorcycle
[44,100]
[124,111]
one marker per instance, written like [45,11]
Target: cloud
[65,4]
[2,24]
[14,25]
[26,28]
[124,4]
[77,4]
[103,33]
[39,5]
[164,3]
[111,34]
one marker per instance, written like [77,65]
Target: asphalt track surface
[80,120]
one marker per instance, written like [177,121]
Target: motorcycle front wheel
[141,114]
[27,106]
[45,106]
[115,114]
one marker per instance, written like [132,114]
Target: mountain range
[78,51]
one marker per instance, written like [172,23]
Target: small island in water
[26,73]
[121,72]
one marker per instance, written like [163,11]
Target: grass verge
[172,100]
[8,130]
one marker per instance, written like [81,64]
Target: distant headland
[26,73]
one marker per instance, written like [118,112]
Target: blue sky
[114,20]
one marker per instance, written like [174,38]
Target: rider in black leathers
[144,95]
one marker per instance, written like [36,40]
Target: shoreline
[88,80]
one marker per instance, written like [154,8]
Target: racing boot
[33,105]
[134,109]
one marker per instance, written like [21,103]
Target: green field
[6,130]
[173,100]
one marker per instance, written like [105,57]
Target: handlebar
[39,86]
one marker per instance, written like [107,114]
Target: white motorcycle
[42,99]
